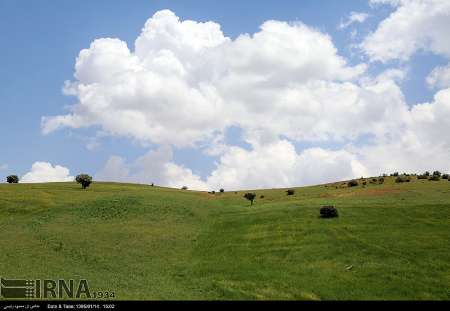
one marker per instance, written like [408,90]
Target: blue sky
[41,40]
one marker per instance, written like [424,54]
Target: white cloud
[354,17]
[439,78]
[186,82]
[273,165]
[154,167]
[415,142]
[415,25]
[430,121]
[45,172]
[3,167]
[279,165]
[422,144]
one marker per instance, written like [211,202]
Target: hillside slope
[391,241]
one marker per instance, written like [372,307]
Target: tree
[221,190]
[437,173]
[290,192]
[84,179]
[184,188]
[250,196]
[434,178]
[12,179]
[352,183]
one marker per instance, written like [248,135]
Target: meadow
[390,241]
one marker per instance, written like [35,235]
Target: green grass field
[391,241]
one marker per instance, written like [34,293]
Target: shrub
[184,188]
[328,212]
[445,176]
[437,173]
[261,197]
[84,179]
[152,185]
[422,176]
[434,178]
[221,190]
[352,183]
[12,179]
[290,191]
[381,180]
[402,178]
[250,196]
[395,174]
[364,183]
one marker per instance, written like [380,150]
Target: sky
[223,94]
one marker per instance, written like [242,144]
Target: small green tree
[12,179]
[250,196]
[84,179]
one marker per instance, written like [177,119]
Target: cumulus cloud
[185,82]
[418,136]
[279,165]
[415,25]
[421,144]
[439,78]
[354,17]
[45,172]
[154,167]
[429,121]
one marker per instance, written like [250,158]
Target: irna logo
[45,289]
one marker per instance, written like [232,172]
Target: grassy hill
[391,241]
